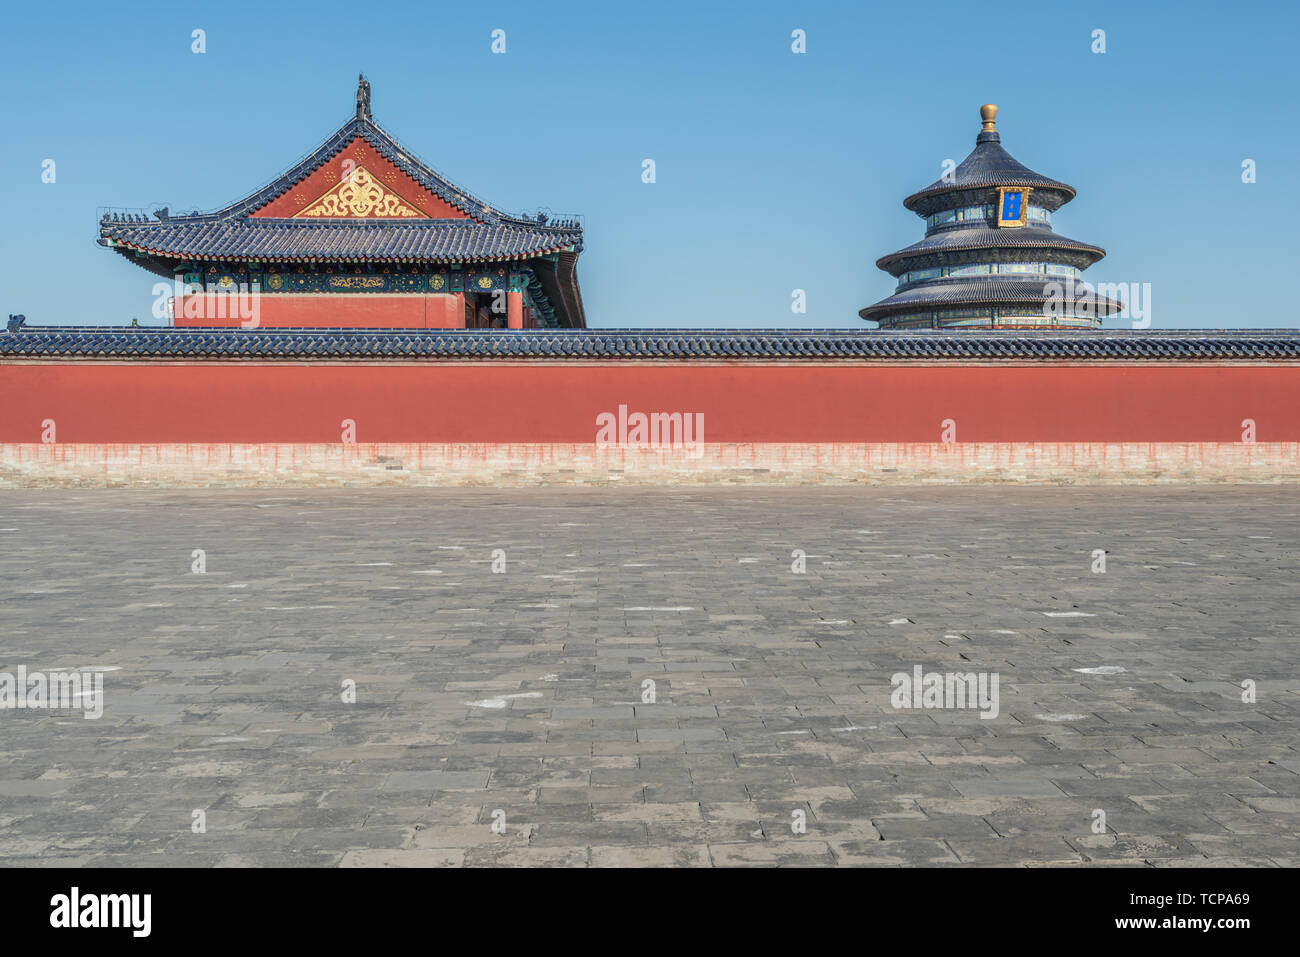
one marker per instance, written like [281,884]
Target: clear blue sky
[776,171]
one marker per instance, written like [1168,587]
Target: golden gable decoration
[361,196]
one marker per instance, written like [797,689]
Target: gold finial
[989,114]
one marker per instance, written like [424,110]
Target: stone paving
[502,717]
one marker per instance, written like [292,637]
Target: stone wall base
[30,465]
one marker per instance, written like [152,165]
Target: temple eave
[917,201]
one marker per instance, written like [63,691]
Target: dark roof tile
[975,291]
[231,233]
[980,236]
[36,342]
[988,165]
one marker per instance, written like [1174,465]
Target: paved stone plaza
[516,698]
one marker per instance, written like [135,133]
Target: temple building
[361,234]
[989,259]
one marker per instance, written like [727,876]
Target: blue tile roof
[56,342]
[980,236]
[975,291]
[990,165]
[489,234]
[290,240]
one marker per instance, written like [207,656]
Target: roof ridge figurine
[363,98]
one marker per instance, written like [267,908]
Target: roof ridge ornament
[363,98]
[989,127]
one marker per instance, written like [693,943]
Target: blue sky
[775,171]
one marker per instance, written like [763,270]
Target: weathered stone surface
[522,464]
[504,719]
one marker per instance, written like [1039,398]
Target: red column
[515,310]
[459,310]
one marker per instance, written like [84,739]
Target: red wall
[558,402]
[285,310]
[359,152]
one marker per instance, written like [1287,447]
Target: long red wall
[538,402]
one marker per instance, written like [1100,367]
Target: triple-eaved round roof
[971,260]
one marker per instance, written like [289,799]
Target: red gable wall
[326,177]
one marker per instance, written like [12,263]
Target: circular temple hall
[990,259]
